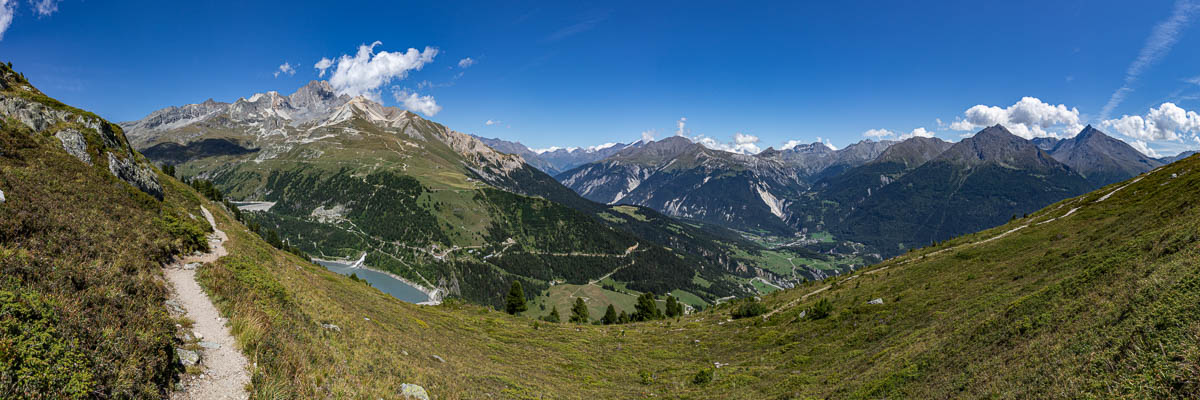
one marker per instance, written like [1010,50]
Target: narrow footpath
[225,374]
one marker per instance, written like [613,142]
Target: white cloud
[648,135]
[7,9]
[681,125]
[878,133]
[919,132]
[285,68]
[1167,122]
[1028,118]
[790,144]
[1141,146]
[422,104]
[44,7]
[742,143]
[601,146]
[491,122]
[827,143]
[367,71]
[1194,81]
[466,62]
[1161,39]
[323,65]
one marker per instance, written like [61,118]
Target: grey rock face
[210,345]
[73,143]
[139,176]
[876,301]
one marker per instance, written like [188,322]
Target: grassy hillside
[81,292]
[1093,297]
[1098,303]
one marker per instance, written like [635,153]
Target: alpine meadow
[538,200]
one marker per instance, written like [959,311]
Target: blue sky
[578,74]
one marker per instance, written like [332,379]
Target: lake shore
[434,295]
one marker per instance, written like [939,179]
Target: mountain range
[348,176]
[1093,296]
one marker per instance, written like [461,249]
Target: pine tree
[674,309]
[553,316]
[516,299]
[623,318]
[610,315]
[579,313]
[646,309]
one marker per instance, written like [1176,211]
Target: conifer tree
[610,315]
[579,313]
[516,299]
[674,309]
[646,309]
[553,316]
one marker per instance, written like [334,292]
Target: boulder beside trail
[411,391]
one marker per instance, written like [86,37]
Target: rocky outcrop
[74,143]
[41,117]
[139,176]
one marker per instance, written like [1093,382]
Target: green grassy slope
[1087,298]
[1099,303]
[81,292]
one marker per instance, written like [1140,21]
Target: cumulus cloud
[742,143]
[1161,39]
[1167,122]
[7,9]
[878,133]
[323,65]
[1028,118]
[491,122]
[681,127]
[417,103]
[285,68]
[44,8]
[790,144]
[1141,146]
[466,62]
[919,132]
[827,143]
[648,136]
[366,71]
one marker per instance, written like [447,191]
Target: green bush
[703,376]
[749,308]
[822,309]
[36,358]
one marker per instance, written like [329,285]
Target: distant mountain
[976,183]
[684,179]
[441,208]
[1177,157]
[852,187]
[557,160]
[1100,158]
[1045,143]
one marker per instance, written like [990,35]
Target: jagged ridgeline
[85,223]
[348,176]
